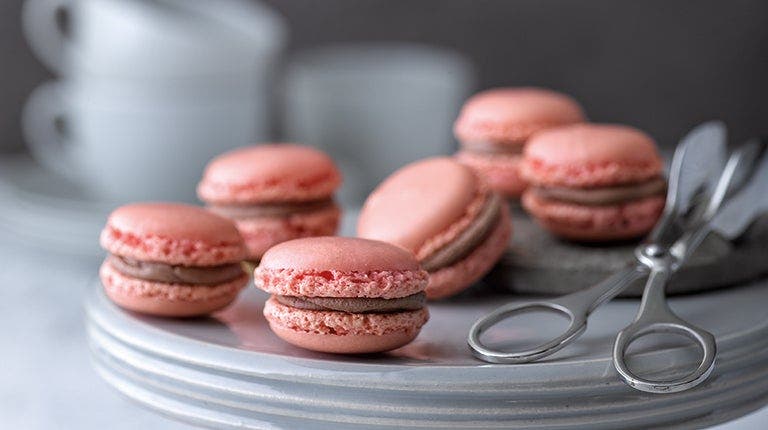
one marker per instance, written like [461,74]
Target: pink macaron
[274,193]
[170,259]
[440,210]
[343,295]
[495,124]
[593,182]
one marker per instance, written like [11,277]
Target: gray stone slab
[539,263]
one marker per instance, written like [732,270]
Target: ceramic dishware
[376,107]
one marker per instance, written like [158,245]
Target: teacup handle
[44,32]
[42,123]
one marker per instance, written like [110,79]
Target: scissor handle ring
[636,330]
[577,325]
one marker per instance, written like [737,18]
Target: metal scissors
[693,202]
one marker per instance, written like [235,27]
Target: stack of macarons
[170,259]
[494,126]
[446,215]
[593,182]
[343,295]
[274,193]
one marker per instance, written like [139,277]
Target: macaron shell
[423,205]
[595,223]
[451,280]
[341,332]
[262,233]
[349,344]
[167,300]
[501,172]
[343,254]
[512,115]
[339,267]
[172,233]
[387,284]
[590,155]
[270,172]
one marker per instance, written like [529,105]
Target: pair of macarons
[331,294]
[581,181]
[495,125]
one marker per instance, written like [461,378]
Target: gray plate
[230,371]
[539,263]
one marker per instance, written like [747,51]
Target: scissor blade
[698,160]
[750,198]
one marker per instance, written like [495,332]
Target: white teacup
[376,107]
[154,40]
[151,90]
[139,147]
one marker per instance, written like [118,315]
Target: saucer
[45,210]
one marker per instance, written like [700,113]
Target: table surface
[47,380]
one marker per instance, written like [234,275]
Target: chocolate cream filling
[355,305]
[604,195]
[469,239]
[166,273]
[272,209]
[492,148]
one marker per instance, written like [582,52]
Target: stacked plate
[42,209]
[229,371]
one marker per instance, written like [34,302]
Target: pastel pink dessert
[495,124]
[594,182]
[170,259]
[274,193]
[343,295]
[446,215]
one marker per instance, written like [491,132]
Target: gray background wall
[659,65]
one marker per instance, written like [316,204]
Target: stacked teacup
[150,90]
